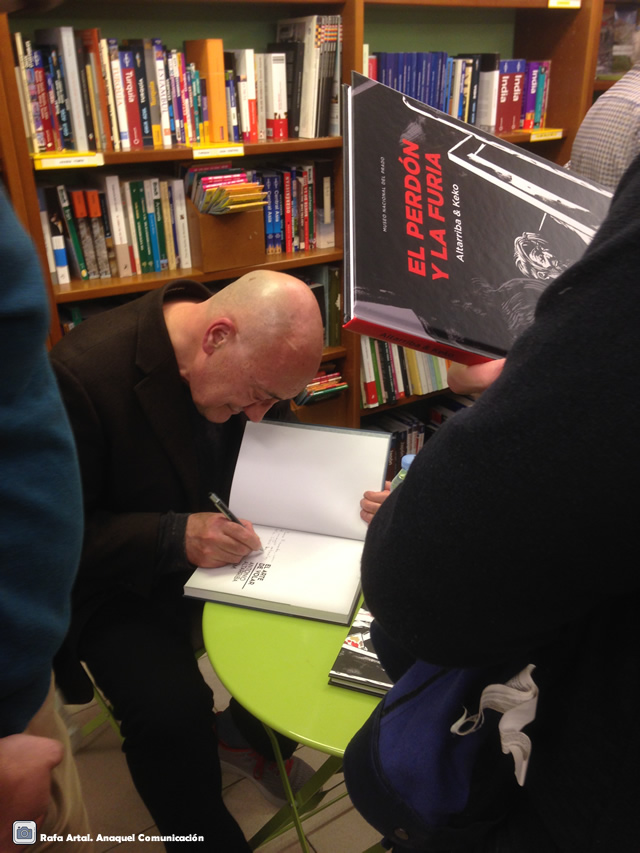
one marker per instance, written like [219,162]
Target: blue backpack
[424,773]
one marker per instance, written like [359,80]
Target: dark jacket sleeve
[515,519]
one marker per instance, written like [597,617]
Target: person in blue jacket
[40,539]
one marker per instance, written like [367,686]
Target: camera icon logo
[24,832]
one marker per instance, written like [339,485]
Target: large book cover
[300,486]
[357,665]
[451,234]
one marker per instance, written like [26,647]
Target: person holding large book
[158,392]
[510,540]
[40,542]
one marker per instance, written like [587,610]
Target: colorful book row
[80,91]
[123,228]
[497,95]
[389,373]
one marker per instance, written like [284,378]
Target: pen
[223,508]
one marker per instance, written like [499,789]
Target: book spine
[130,220]
[67,48]
[83,226]
[542,95]
[23,89]
[108,235]
[42,97]
[245,89]
[153,224]
[368,375]
[182,226]
[84,77]
[168,227]
[72,233]
[139,65]
[160,227]
[176,97]
[119,95]
[117,221]
[152,91]
[276,96]
[232,107]
[107,76]
[261,95]
[505,96]
[97,232]
[142,226]
[517,97]
[187,107]
[488,88]
[307,30]
[161,80]
[46,234]
[198,118]
[204,99]
[93,61]
[129,87]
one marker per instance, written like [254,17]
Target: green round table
[278,667]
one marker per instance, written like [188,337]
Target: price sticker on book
[546,133]
[565,4]
[68,161]
[206,153]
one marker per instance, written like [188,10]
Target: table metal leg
[299,806]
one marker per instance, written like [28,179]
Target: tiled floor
[115,808]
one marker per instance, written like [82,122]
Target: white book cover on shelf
[300,486]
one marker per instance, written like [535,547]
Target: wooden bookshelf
[532,30]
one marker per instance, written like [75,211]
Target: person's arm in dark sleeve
[511,522]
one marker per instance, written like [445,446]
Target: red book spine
[286,200]
[131,101]
[42,93]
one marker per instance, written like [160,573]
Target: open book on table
[300,486]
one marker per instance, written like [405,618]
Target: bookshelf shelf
[100,288]
[465,4]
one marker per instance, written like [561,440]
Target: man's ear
[221,331]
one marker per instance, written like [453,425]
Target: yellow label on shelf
[224,149]
[565,4]
[73,160]
[546,133]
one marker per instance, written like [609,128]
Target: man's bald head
[257,341]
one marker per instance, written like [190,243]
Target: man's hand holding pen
[212,540]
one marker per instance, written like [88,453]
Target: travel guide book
[357,666]
[451,234]
[300,486]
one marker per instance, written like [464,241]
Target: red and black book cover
[451,234]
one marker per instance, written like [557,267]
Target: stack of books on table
[357,666]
